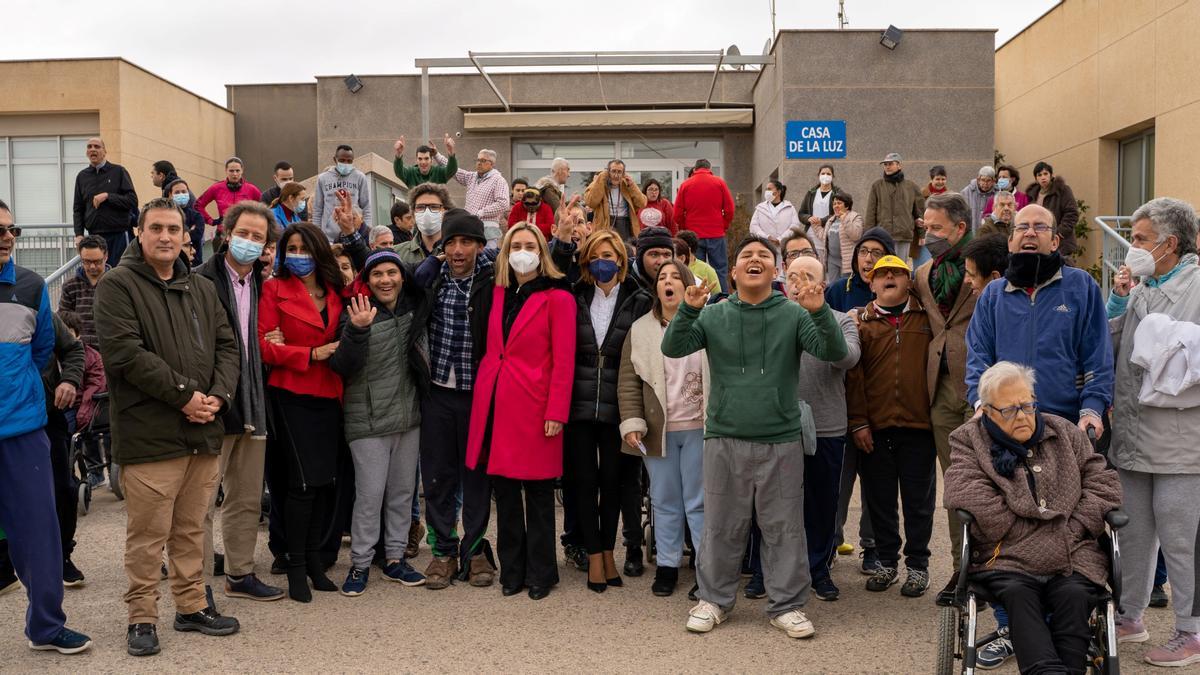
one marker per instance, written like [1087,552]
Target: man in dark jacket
[104,201]
[461,301]
[896,205]
[284,174]
[172,362]
[236,274]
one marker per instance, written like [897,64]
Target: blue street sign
[820,139]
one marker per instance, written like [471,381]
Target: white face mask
[1141,262]
[524,262]
[825,179]
[768,196]
[429,222]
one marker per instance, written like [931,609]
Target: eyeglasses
[13,230]
[1040,228]
[432,208]
[1007,414]
[806,252]
[871,253]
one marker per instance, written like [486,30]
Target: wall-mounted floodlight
[353,83]
[891,37]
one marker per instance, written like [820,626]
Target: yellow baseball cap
[889,261]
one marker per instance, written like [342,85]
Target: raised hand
[811,296]
[399,146]
[1123,281]
[448,141]
[697,296]
[343,213]
[362,313]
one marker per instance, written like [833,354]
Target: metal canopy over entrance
[480,61]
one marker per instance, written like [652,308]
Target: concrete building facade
[1108,93]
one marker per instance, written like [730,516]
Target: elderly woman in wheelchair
[1038,498]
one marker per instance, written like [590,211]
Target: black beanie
[459,223]
[652,237]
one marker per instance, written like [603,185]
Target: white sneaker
[704,616]
[794,623]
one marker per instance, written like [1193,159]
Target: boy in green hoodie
[754,461]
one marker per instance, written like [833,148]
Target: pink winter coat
[525,381]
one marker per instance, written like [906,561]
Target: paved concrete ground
[461,629]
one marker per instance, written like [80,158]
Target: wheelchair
[97,434]
[958,638]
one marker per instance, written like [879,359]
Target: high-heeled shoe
[615,581]
[597,587]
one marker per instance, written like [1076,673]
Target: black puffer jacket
[594,396]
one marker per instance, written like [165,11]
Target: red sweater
[543,218]
[704,205]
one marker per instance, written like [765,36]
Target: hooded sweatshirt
[753,356]
[853,291]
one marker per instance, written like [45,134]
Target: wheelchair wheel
[85,497]
[114,481]
[947,641]
[648,541]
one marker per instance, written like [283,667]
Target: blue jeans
[713,252]
[677,494]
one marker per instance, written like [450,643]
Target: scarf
[946,277]
[1006,450]
[935,191]
[1030,270]
[254,416]
[1188,260]
[897,177]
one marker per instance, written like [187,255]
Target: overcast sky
[205,45]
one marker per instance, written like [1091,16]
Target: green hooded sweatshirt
[754,361]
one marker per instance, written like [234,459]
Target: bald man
[105,202]
[1050,317]
[823,387]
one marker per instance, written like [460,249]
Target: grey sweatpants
[385,476]
[1163,511]
[767,479]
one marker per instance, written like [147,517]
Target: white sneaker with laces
[794,623]
[704,616]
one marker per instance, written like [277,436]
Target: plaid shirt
[487,197]
[450,345]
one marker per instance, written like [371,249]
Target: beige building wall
[1090,73]
[142,117]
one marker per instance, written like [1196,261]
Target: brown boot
[440,571]
[482,573]
[416,532]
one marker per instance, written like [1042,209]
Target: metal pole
[487,78]
[424,104]
[713,85]
[772,19]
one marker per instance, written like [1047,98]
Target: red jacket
[285,305]
[543,218]
[667,219]
[528,379]
[704,205]
[94,383]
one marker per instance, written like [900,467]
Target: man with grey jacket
[342,177]
[1154,435]
[823,387]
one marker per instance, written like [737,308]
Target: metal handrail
[1114,246]
[61,272]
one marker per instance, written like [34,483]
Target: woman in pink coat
[522,398]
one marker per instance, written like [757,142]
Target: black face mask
[1030,270]
[895,177]
[531,206]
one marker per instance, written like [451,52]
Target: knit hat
[653,237]
[459,223]
[880,235]
[378,257]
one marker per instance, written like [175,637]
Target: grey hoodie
[325,199]
[823,384]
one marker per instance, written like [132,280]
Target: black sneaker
[755,588]
[883,579]
[825,589]
[1158,597]
[251,588]
[945,597]
[66,642]
[206,621]
[576,556]
[665,580]
[142,639]
[72,577]
[916,582]
[633,562]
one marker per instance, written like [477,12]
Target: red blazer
[543,218]
[704,205]
[528,378]
[285,305]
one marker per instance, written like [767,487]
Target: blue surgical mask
[245,251]
[300,264]
[182,199]
[300,205]
[1004,183]
[603,269]
[344,169]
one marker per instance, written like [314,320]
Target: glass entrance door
[667,161]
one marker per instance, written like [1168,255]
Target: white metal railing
[54,282]
[1114,245]
[48,250]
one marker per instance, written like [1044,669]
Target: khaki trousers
[949,412]
[242,462]
[165,503]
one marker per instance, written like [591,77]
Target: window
[1135,172]
[37,177]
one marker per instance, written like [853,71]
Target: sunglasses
[14,231]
